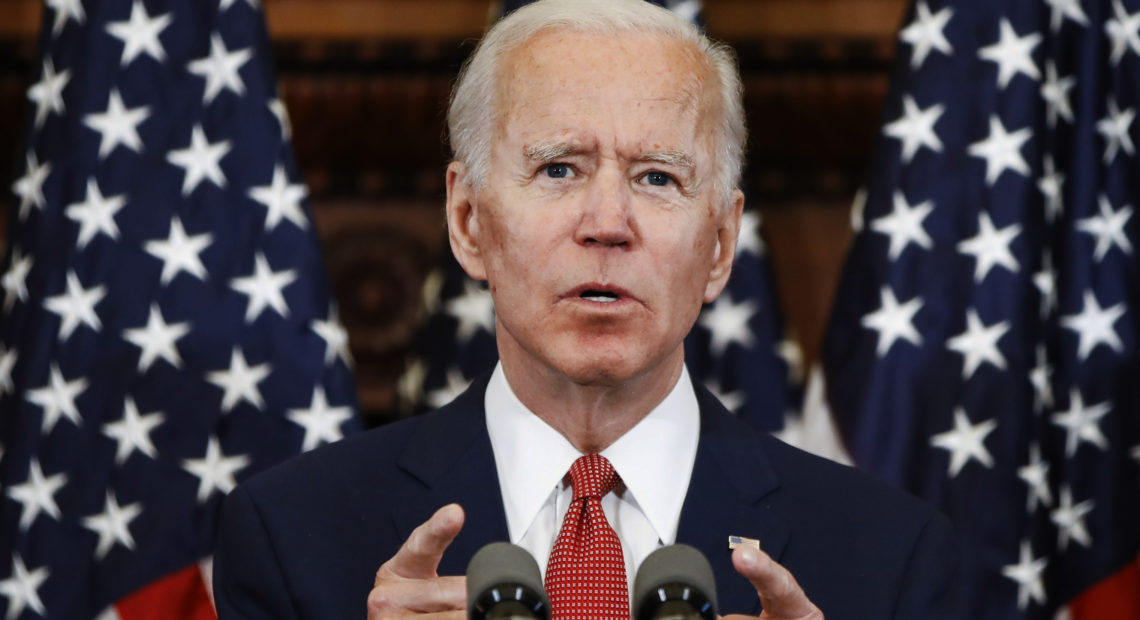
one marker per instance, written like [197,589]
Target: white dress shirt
[654,459]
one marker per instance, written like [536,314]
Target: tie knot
[592,476]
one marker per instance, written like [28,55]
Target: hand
[780,595]
[408,586]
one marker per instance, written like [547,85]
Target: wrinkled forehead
[565,76]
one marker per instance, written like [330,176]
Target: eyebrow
[681,159]
[550,151]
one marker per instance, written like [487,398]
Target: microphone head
[675,581]
[503,581]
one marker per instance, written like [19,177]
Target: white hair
[471,113]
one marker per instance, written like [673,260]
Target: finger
[780,595]
[442,615]
[419,556]
[405,596]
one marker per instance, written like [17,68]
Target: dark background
[366,85]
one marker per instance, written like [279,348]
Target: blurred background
[366,85]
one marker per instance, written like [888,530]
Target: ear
[463,221]
[724,254]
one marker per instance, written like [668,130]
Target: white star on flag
[1114,127]
[1002,150]
[1027,574]
[47,93]
[1055,92]
[966,442]
[1013,54]
[320,421]
[139,34]
[1070,520]
[1036,475]
[990,247]
[749,240]
[118,125]
[221,69]
[410,385]
[731,400]
[58,398]
[926,33]
[30,187]
[904,225]
[1093,326]
[215,471]
[915,128]
[264,289]
[1082,423]
[1046,283]
[893,321]
[282,199]
[157,339]
[1070,9]
[7,363]
[37,494]
[1108,228]
[1124,30]
[727,322]
[225,4]
[239,381]
[179,252]
[1051,185]
[978,344]
[335,336]
[65,11]
[446,393]
[132,432]
[15,280]
[76,305]
[113,525]
[474,309]
[95,214]
[21,588]
[1039,377]
[200,160]
[277,107]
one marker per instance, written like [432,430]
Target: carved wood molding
[459,19]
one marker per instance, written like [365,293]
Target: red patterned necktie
[585,578]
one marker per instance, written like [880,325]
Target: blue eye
[658,179]
[558,171]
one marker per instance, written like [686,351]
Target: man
[597,151]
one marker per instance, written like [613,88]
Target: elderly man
[598,145]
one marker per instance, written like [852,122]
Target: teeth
[602,297]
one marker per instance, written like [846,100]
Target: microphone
[675,583]
[504,583]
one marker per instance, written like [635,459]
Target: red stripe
[1117,597]
[181,595]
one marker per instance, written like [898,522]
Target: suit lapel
[451,456]
[731,478]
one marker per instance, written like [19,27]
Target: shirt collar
[654,458]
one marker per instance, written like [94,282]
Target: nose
[607,215]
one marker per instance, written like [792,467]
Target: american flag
[983,349]
[737,348]
[167,328]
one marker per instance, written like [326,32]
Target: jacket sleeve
[932,585]
[248,581]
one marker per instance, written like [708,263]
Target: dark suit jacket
[304,539]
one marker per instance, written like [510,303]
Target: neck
[591,415]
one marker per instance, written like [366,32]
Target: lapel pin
[740,541]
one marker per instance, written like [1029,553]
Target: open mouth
[600,296]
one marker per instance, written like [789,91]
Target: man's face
[600,229]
